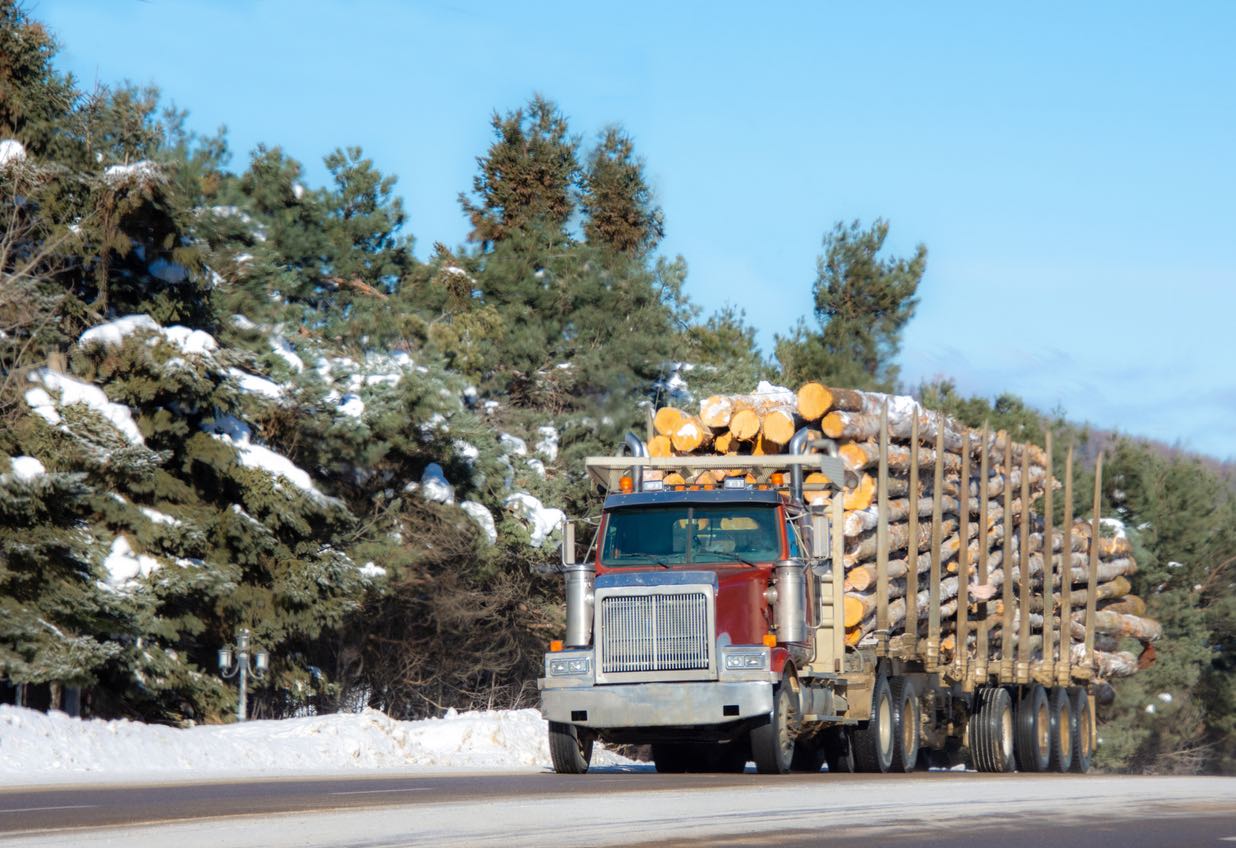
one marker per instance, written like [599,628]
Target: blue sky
[1071,167]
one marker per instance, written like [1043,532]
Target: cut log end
[814,399]
[745,425]
[716,411]
[667,420]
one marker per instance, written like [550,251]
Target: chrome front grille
[661,631]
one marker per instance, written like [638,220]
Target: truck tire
[990,730]
[772,743]
[1062,728]
[1033,730]
[569,750]
[1083,738]
[907,719]
[838,752]
[874,740]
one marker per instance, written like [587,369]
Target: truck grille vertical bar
[655,632]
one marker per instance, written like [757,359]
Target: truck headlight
[568,666]
[757,659]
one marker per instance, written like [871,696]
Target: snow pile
[280,347]
[69,392]
[766,391]
[137,172]
[352,406]
[254,385]
[113,333]
[547,442]
[124,566]
[541,521]
[513,444]
[42,748]
[1115,527]
[483,517]
[674,385]
[156,517]
[371,570]
[24,469]
[11,152]
[236,433]
[434,485]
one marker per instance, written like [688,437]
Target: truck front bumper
[657,704]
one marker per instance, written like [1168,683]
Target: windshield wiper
[648,558]
[730,556]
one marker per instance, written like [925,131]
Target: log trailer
[706,620]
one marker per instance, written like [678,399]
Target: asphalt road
[634,808]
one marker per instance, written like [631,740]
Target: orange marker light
[778,478]
[556,646]
[626,485]
[770,640]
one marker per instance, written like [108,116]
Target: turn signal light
[770,640]
[556,646]
[626,485]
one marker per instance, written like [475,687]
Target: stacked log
[1019,480]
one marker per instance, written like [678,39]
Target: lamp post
[241,667]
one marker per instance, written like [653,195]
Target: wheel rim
[1066,731]
[1006,734]
[885,727]
[1042,729]
[785,735]
[1083,734]
[909,729]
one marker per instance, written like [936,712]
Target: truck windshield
[677,535]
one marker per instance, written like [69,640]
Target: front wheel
[569,749]
[772,743]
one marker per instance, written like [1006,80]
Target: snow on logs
[764,421]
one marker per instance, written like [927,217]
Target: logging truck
[708,619]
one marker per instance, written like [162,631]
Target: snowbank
[49,748]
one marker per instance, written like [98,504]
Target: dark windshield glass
[676,535]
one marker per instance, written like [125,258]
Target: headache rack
[608,471]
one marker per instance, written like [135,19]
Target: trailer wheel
[874,740]
[772,743]
[1083,739]
[838,752]
[1062,729]
[569,750]
[991,730]
[907,719]
[1034,730]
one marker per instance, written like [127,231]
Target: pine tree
[616,199]
[526,178]
[862,303]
